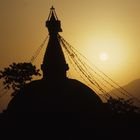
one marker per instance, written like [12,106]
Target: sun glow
[104,56]
[107,53]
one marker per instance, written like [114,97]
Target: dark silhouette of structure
[55,92]
[54,65]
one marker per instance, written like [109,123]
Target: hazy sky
[92,26]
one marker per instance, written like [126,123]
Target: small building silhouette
[55,92]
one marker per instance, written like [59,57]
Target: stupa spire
[54,64]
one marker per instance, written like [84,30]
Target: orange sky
[91,26]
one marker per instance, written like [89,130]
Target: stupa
[55,92]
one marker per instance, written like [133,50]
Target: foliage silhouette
[122,106]
[18,74]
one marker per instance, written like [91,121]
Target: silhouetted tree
[122,106]
[18,74]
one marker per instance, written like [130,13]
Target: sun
[103,56]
